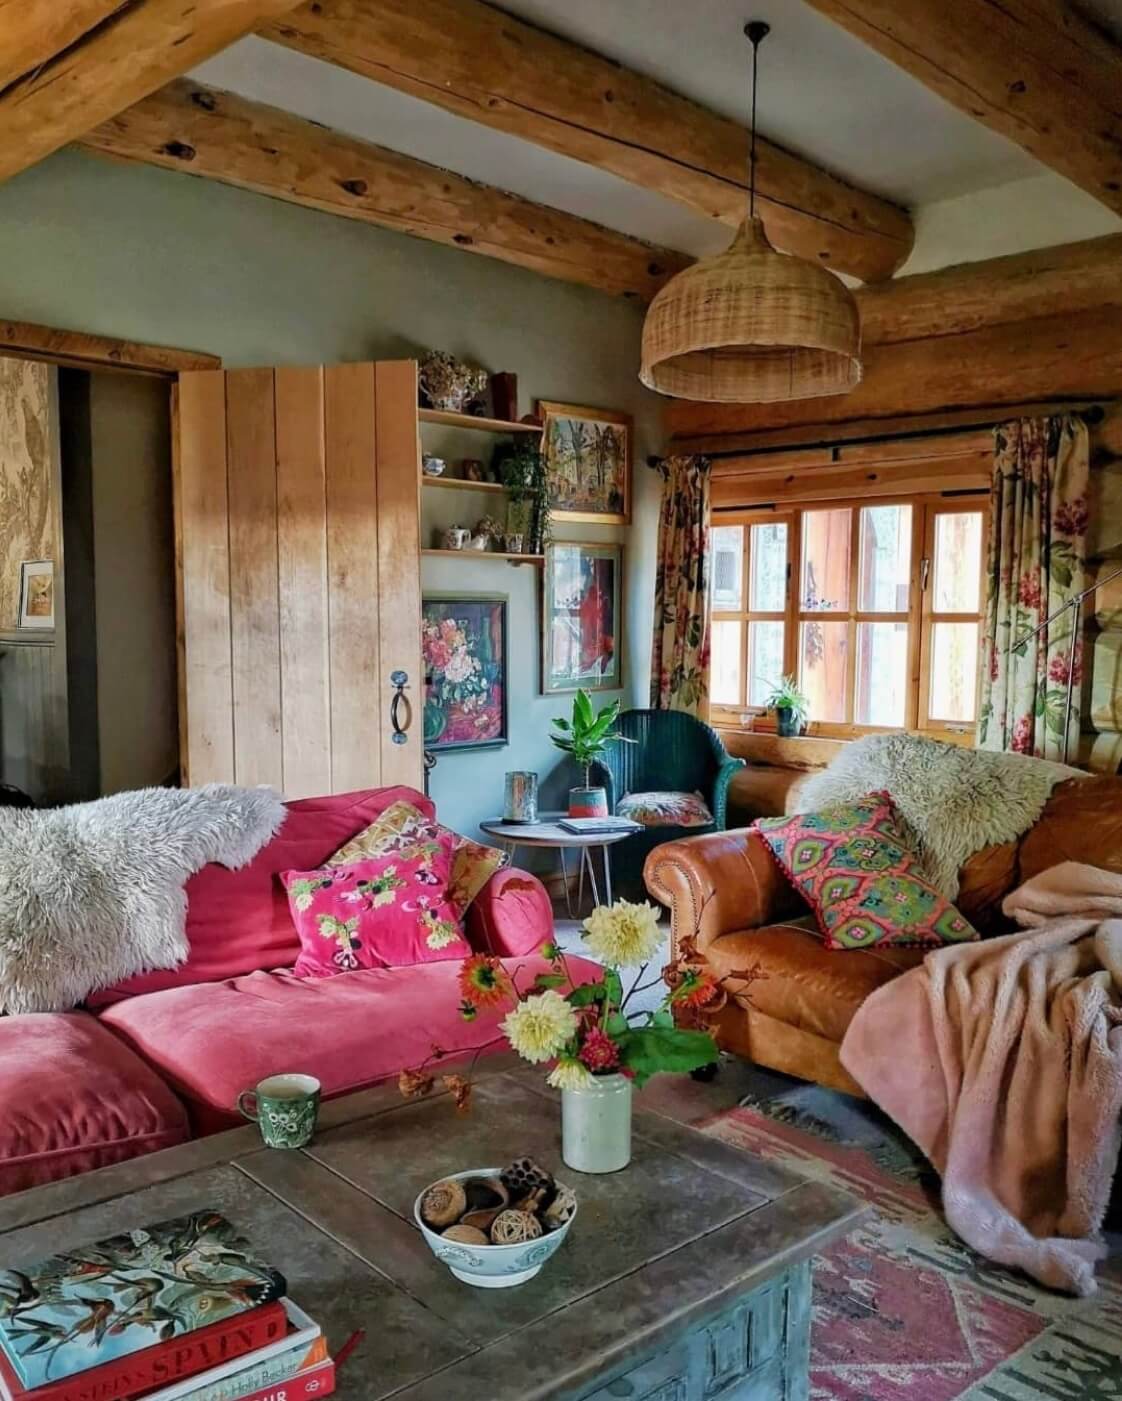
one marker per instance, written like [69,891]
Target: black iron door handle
[399,680]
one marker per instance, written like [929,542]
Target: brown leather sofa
[727,890]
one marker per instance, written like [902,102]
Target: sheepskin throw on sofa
[955,801]
[93,893]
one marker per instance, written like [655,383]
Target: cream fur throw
[93,893]
[955,801]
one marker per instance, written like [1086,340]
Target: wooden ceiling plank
[479,62]
[1032,70]
[190,127]
[103,59]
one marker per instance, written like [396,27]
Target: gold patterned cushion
[402,826]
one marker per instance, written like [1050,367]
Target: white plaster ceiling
[823,94]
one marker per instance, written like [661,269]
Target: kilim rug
[903,1309]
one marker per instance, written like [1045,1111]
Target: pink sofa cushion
[511,916]
[214,1040]
[238,921]
[384,912]
[75,1098]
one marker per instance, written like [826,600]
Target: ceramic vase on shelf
[588,802]
[596,1125]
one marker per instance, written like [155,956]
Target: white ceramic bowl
[490,1266]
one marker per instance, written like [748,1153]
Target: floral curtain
[680,657]
[1036,563]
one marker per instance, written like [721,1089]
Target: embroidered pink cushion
[383,912]
[853,865]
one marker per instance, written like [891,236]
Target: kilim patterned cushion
[853,866]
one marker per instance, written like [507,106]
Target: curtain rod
[1093,413]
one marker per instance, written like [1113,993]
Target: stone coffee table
[685,1277]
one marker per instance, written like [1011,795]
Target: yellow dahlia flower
[624,935]
[569,1075]
[539,1028]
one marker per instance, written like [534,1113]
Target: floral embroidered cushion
[402,826]
[381,912]
[666,809]
[853,865]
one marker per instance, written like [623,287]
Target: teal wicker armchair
[673,752]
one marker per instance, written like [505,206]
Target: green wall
[135,252]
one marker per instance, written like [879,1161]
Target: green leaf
[617,1025]
[586,995]
[614,986]
[663,1018]
[582,710]
[651,1050]
[544,981]
[562,724]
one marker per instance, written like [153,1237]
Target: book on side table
[179,1311]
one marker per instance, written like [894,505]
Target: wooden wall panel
[202,533]
[399,560]
[352,559]
[254,606]
[302,583]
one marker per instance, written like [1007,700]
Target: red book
[308,1385]
[162,1364]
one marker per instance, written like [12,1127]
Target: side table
[549,834]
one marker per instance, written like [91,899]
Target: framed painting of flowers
[464,647]
[581,617]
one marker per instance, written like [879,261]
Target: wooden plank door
[298,559]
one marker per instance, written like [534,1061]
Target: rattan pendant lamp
[752,325]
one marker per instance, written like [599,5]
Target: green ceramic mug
[284,1108]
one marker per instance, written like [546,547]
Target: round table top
[548,832]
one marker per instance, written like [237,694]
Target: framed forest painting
[464,647]
[588,463]
[581,617]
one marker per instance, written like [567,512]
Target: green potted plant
[521,468]
[585,737]
[790,706]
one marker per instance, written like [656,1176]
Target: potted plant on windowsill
[790,706]
[585,737]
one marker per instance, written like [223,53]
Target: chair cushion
[402,824]
[216,1039]
[807,986]
[851,862]
[387,911]
[76,1098]
[238,921]
[665,809]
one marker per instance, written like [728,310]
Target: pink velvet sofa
[162,1058]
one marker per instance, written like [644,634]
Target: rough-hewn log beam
[479,62]
[963,335]
[189,127]
[1043,359]
[1033,70]
[68,65]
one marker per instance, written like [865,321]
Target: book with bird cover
[97,1303]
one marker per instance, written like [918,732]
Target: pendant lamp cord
[757,31]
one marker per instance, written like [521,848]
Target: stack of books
[180,1311]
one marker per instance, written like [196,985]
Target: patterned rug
[902,1309]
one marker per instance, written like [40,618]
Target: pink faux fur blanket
[1002,1060]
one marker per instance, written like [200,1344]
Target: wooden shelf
[487,554]
[481,425]
[460,484]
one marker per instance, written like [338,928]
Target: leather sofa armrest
[718,883]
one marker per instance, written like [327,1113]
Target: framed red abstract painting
[582,609]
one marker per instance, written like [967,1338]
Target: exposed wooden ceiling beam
[1038,325]
[67,65]
[479,62]
[1033,70]
[189,127]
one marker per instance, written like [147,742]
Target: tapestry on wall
[1036,564]
[26,471]
[680,655]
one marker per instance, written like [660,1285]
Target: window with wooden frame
[876,609]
